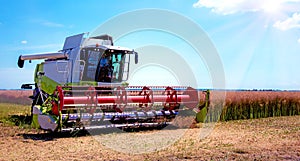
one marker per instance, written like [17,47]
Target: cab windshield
[107,66]
[110,67]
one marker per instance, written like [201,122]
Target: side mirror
[27,86]
[136,57]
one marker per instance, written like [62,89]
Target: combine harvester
[83,86]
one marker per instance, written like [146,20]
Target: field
[253,104]
[15,96]
[271,138]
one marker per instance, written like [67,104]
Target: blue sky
[258,41]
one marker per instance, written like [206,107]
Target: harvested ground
[275,138]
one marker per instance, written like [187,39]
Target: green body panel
[35,123]
[83,83]
[38,68]
[201,116]
[47,85]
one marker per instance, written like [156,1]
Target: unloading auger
[84,86]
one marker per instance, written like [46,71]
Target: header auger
[84,86]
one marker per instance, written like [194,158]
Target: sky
[258,42]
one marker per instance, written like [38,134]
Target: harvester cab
[82,60]
[84,85]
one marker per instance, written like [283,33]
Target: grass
[15,114]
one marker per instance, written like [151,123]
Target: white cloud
[299,40]
[240,6]
[221,6]
[47,23]
[24,42]
[42,47]
[52,24]
[290,23]
[34,48]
